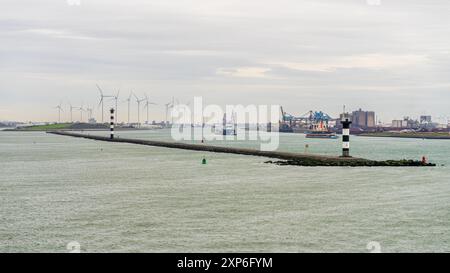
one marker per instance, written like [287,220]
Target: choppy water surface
[114,197]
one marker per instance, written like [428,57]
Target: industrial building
[406,122]
[424,123]
[399,123]
[425,119]
[363,119]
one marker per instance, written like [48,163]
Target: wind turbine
[59,107]
[71,112]
[139,108]
[173,105]
[102,100]
[81,111]
[116,98]
[184,116]
[129,105]
[147,104]
[89,111]
[168,106]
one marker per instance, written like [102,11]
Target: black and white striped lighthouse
[112,123]
[224,125]
[345,137]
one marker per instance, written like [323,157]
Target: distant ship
[321,134]
[319,129]
[227,129]
[314,124]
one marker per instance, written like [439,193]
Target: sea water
[57,191]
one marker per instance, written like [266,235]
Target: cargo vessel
[321,134]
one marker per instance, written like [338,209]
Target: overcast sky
[392,58]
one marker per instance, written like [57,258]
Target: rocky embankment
[354,163]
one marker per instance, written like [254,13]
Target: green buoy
[204,161]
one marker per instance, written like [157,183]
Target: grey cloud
[227,51]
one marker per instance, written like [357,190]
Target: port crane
[313,120]
[319,120]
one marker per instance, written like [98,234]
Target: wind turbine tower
[59,107]
[89,111]
[173,105]
[116,98]
[168,105]
[129,105]
[102,101]
[147,104]
[139,109]
[81,112]
[71,112]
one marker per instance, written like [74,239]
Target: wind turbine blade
[99,89]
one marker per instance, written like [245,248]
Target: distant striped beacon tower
[224,125]
[112,123]
[345,135]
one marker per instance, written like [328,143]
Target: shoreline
[82,130]
[405,136]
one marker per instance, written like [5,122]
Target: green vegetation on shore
[426,135]
[46,127]
[62,126]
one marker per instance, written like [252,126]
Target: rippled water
[112,197]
